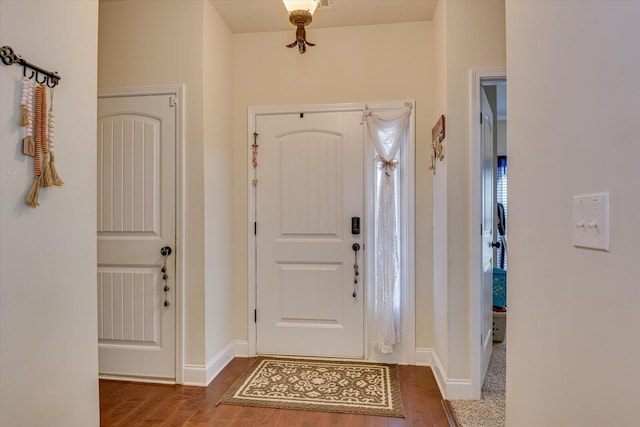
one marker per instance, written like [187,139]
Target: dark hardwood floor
[140,404]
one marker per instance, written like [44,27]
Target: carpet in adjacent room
[489,410]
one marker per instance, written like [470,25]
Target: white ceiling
[249,16]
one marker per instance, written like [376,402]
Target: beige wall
[48,310]
[147,43]
[354,64]
[574,102]
[217,101]
[439,214]
[474,38]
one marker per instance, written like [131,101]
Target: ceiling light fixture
[300,15]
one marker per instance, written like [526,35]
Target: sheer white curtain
[387,131]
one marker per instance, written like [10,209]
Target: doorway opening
[489,254]
[495,378]
[489,205]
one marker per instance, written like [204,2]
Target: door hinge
[172,101]
[480,118]
[255,316]
[255,228]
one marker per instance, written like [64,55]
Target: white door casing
[310,185]
[138,141]
[488,209]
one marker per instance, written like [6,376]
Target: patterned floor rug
[319,385]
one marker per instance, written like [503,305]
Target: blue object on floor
[499,287]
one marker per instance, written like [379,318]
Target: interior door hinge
[255,228]
[480,118]
[172,101]
[255,316]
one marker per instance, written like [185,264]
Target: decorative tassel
[55,179]
[54,173]
[32,197]
[46,180]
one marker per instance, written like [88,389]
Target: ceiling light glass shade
[309,5]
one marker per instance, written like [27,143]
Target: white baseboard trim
[241,348]
[450,388]
[135,379]
[424,357]
[201,376]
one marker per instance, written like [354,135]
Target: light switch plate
[591,221]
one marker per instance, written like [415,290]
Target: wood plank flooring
[138,404]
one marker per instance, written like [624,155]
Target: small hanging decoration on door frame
[437,149]
[254,157]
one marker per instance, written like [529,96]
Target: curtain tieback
[387,165]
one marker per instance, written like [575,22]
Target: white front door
[488,206]
[136,219]
[310,185]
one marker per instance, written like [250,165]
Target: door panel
[309,293]
[128,196]
[488,207]
[310,185]
[126,306]
[136,218]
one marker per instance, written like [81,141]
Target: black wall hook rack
[41,76]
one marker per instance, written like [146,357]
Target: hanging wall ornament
[24,112]
[254,157]
[437,148]
[55,178]
[28,143]
[45,176]
[32,197]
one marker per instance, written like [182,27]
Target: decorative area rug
[319,385]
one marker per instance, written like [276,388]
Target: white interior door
[136,218]
[310,185]
[488,206]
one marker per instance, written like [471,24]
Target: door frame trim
[476,78]
[407,354]
[178,92]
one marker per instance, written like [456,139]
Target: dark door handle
[356,272]
[495,245]
[165,252]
